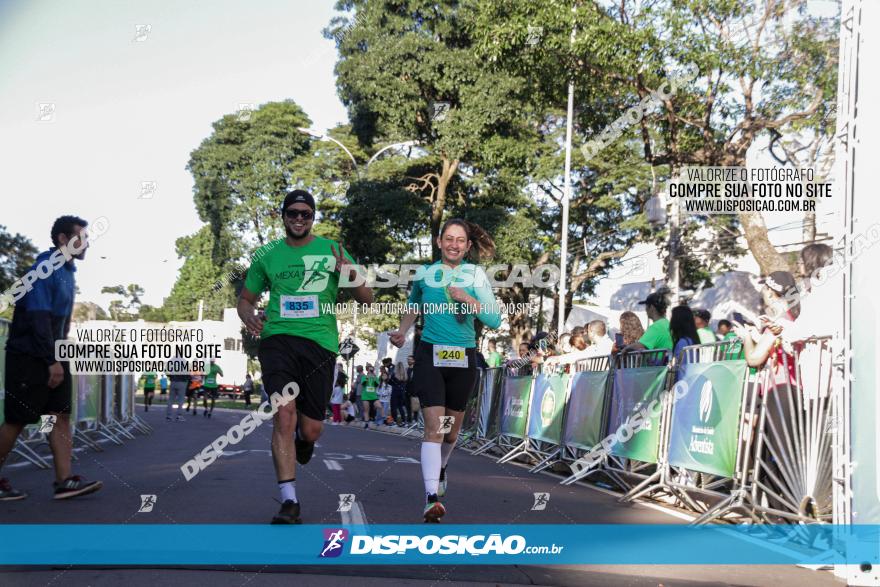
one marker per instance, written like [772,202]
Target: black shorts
[28,395]
[285,358]
[212,392]
[443,386]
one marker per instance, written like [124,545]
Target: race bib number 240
[450,356]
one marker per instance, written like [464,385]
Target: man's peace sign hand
[343,265]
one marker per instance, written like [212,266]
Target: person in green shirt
[149,389]
[451,294]
[735,351]
[370,395]
[299,339]
[493,357]
[725,329]
[702,319]
[211,386]
[657,336]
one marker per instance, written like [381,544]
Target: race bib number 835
[299,307]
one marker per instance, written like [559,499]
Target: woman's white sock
[431,460]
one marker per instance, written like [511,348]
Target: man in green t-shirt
[369,394]
[702,319]
[299,337]
[149,389]
[493,357]
[657,336]
[211,386]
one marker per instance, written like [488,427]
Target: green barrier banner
[515,405]
[635,390]
[547,407]
[705,420]
[87,393]
[585,419]
[490,391]
[86,396]
[124,400]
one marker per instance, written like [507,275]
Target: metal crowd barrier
[722,440]
[793,455]
[478,424]
[704,460]
[417,426]
[587,410]
[102,408]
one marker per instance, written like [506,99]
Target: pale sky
[129,111]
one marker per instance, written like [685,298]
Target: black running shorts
[285,358]
[28,395]
[443,386]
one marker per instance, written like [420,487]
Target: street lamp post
[383,149]
[324,137]
[566,198]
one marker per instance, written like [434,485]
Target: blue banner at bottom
[116,544]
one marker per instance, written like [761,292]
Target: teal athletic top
[447,322]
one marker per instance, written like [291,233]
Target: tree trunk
[449,169]
[809,233]
[519,324]
[755,231]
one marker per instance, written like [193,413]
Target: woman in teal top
[450,294]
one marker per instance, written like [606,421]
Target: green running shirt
[430,293]
[302,287]
[371,384]
[211,376]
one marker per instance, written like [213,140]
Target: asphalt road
[382,471]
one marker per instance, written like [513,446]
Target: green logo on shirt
[318,268]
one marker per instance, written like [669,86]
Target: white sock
[431,466]
[446,450]
[288,490]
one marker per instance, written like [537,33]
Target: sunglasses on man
[294,214]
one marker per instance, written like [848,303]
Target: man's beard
[292,235]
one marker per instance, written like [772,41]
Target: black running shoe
[289,513]
[9,493]
[304,451]
[75,486]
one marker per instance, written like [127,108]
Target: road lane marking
[354,516]
[333,465]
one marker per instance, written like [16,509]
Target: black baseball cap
[656,299]
[298,197]
[780,282]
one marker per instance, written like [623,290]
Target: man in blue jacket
[36,383]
